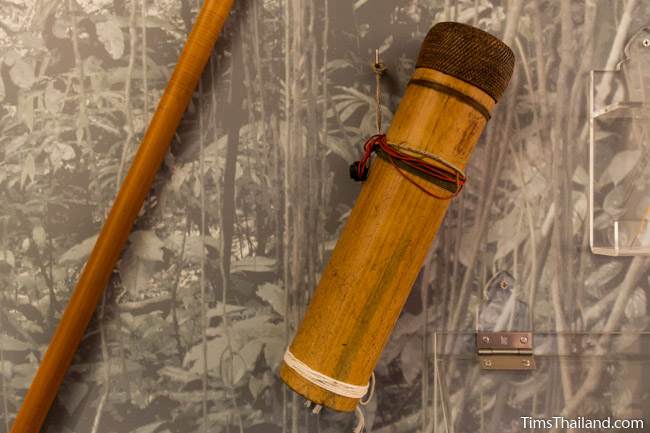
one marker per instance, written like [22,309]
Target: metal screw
[487,363]
[486,339]
[523,339]
[646,43]
[525,362]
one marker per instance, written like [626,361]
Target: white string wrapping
[328,383]
[336,386]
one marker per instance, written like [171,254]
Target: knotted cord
[441,173]
[423,164]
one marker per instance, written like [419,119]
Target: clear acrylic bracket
[619,154]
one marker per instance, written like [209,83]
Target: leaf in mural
[11,56]
[10,344]
[262,325]
[97,370]
[135,272]
[180,174]
[411,359]
[23,374]
[358,4]
[507,233]
[335,64]
[409,324]
[60,28]
[603,275]
[274,295]
[22,74]
[29,170]
[30,326]
[254,264]
[53,98]
[579,209]
[580,176]
[146,245]
[110,34]
[26,109]
[218,310]
[65,151]
[32,40]
[341,148]
[194,358]
[6,369]
[193,245]
[615,202]
[467,245]
[3,92]
[79,251]
[274,351]
[149,428]
[255,386]
[525,393]
[194,396]
[624,342]
[636,305]
[349,110]
[196,187]
[620,165]
[71,394]
[354,93]
[467,15]
[39,236]
[156,22]
[7,257]
[386,44]
[391,351]
[178,374]
[245,359]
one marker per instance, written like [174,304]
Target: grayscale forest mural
[250,200]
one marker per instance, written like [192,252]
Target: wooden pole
[119,222]
[460,74]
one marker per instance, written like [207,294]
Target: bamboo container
[460,74]
[124,211]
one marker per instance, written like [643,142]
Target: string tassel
[361,419]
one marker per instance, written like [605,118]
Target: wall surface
[255,190]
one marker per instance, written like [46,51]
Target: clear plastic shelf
[619,160]
[627,237]
[573,371]
[617,110]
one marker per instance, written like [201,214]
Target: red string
[417,164]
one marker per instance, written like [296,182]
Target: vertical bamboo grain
[125,209]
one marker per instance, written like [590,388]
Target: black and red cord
[442,173]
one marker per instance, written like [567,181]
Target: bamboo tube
[393,223]
[124,211]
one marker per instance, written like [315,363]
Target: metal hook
[379,68]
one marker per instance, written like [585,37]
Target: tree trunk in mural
[232,121]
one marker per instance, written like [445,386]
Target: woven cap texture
[469,54]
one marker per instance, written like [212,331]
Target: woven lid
[469,54]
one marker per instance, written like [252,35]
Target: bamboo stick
[124,211]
